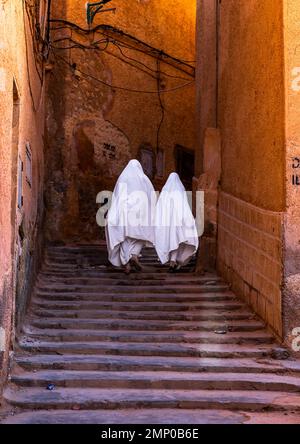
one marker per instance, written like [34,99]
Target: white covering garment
[176,236]
[130,218]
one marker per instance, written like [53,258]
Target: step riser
[107,277]
[135,298]
[183,384]
[151,316]
[130,289]
[102,273]
[138,327]
[180,308]
[55,336]
[107,351]
[77,366]
[96,271]
[171,404]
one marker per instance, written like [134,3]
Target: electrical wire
[119,46]
[93,46]
[163,111]
[124,88]
[127,62]
[34,39]
[27,61]
[106,29]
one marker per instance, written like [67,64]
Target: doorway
[185,165]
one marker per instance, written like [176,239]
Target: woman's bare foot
[127,269]
[173,267]
[135,263]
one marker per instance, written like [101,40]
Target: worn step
[101,266]
[139,287]
[140,349]
[93,277]
[152,416]
[86,264]
[139,297]
[133,416]
[152,363]
[170,336]
[109,272]
[140,306]
[137,324]
[105,281]
[196,315]
[68,398]
[158,380]
[151,341]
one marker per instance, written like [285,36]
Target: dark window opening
[185,165]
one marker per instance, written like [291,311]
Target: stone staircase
[102,347]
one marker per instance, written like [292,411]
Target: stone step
[93,261]
[131,416]
[152,416]
[158,380]
[122,279]
[103,270]
[152,363]
[92,399]
[72,335]
[71,270]
[90,254]
[148,349]
[139,287]
[137,297]
[117,324]
[197,315]
[139,306]
[152,341]
[63,252]
[103,262]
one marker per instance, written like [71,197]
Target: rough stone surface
[250,256]
[123,360]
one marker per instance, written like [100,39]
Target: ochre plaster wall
[83,115]
[18,227]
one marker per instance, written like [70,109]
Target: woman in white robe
[130,218]
[176,236]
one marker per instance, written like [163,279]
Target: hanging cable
[163,111]
[140,45]
[117,87]
[94,47]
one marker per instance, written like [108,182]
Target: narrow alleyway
[101,347]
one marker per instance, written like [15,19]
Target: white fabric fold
[131,215]
[176,236]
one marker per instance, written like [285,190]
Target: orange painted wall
[251,101]
[17,254]
[245,99]
[291,288]
[100,115]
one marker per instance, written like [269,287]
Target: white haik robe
[176,236]
[130,218]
